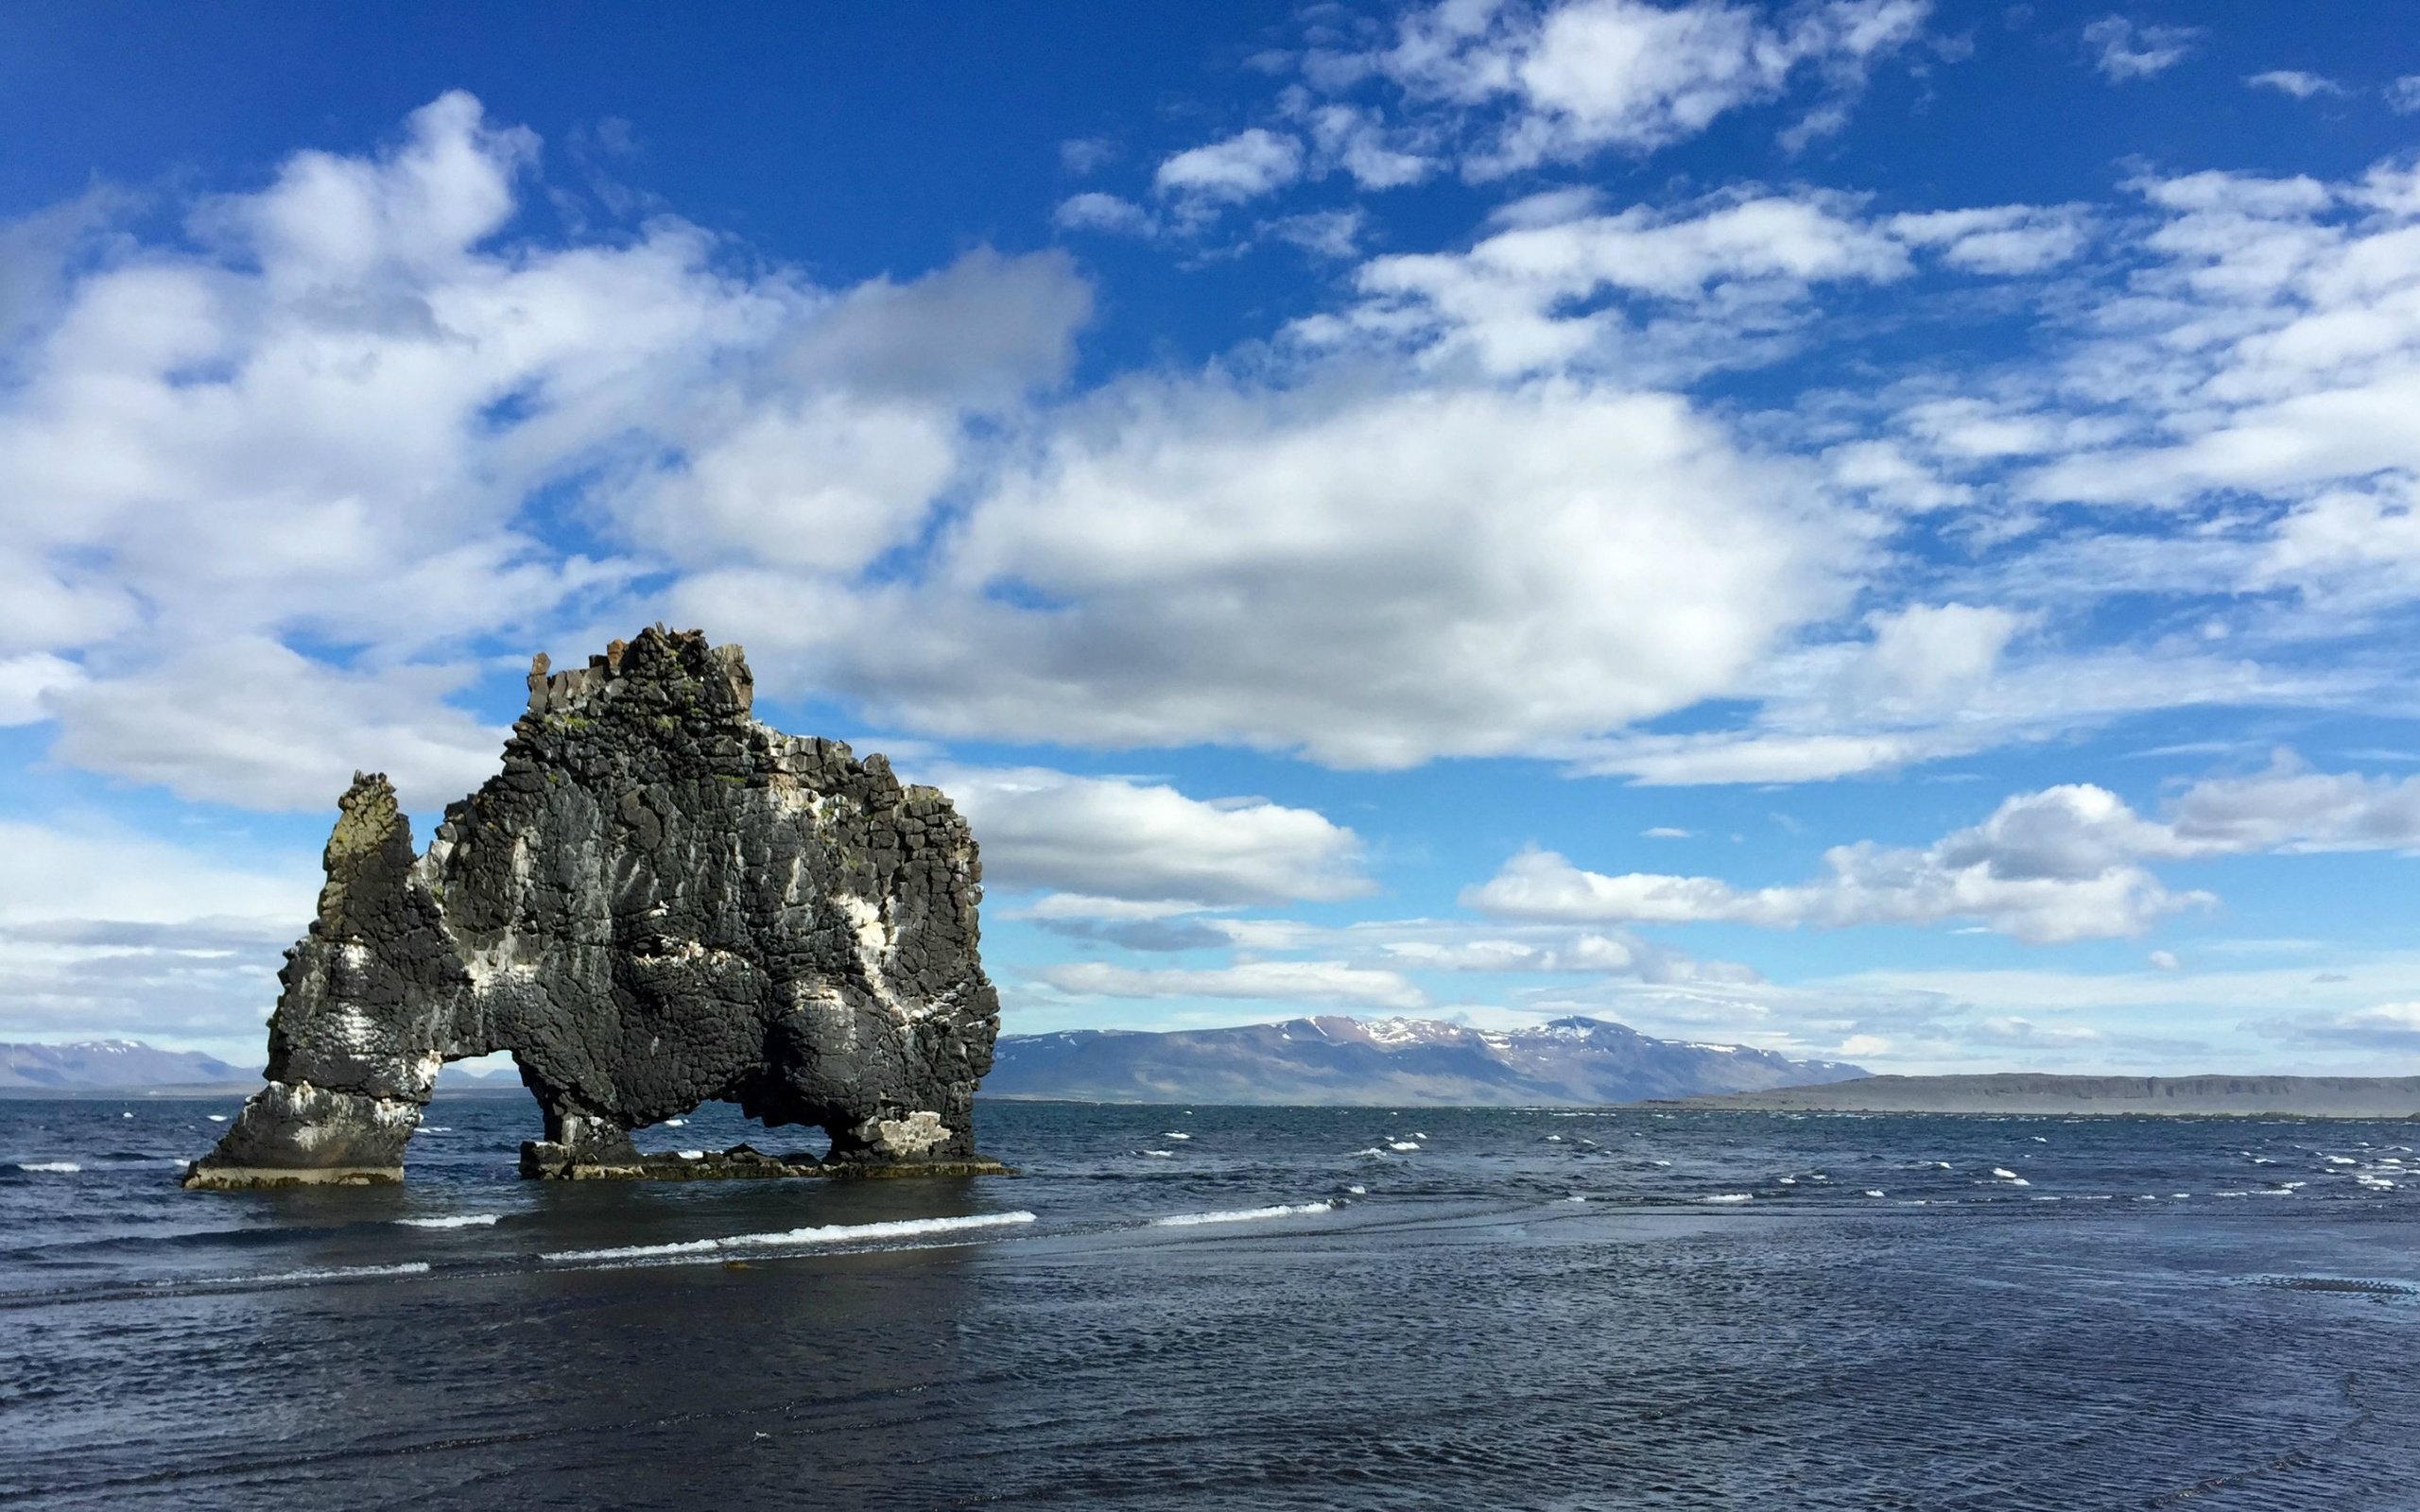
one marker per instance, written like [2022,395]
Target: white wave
[2342,1160]
[1402,1147]
[1173,1135]
[1790,1181]
[458,1220]
[333,1273]
[837,1234]
[1371,1150]
[216,1118]
[676,1122]
[691,1154]
[1659,1162]
[1158,1154]
[2018,1181]
[1187,1220]
[1575,1197]
[2003,1172]
[51,1167]
[1875,1192]
[1730,1197]
[1358,1191]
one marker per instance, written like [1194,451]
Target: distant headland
[2025,1092]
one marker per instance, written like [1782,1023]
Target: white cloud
[2005,239]
[189,488]
[1080,156]
[1244,167]
[2403,95]
[2061,864]
[2123,50]
[2294,81]
[1095,211]
[250,722]
[1357,142]
[2164,960]
[1345,574]
[1129,842]
[111,932]
[26,683]
[1274,981]
[1665,292]
[2058,865]
[2385,1026]
[1584,75]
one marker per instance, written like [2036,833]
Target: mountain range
[1333,1059]
[94,1063]
[1394,1063]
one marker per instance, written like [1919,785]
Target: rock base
[542,1161]
[201,1176]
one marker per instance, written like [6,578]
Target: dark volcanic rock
[658,903]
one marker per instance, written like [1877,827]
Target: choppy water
[1286,1308]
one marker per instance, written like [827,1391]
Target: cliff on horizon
[2039,1093]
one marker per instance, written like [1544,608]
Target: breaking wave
[837,1234]
[1242,1215]
[458,1220]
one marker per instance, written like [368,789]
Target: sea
[1174,1307]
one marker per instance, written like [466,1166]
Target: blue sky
[1877,529]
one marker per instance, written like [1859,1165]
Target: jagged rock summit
[658,903]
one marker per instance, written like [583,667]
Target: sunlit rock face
[658,903]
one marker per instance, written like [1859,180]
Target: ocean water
[1232,1308]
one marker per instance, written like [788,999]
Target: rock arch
[658,903]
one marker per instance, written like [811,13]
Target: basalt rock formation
[658,903]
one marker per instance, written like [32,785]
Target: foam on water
[50,1167]
[837,1234]
[1730,1197]
[458,1220]
[327,1272]
[1296,1210]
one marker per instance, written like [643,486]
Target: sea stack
[658,903]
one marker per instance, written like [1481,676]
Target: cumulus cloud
[189,489]
[2066,863]
[1243,166]
[1271,981]
[1584,76]
[248,721]
[1132,842]
[2122,50]
[1559,284]
[2270,343]
[1972,875]
[1997,239]
[1343,574]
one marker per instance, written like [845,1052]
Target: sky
[1878,529]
